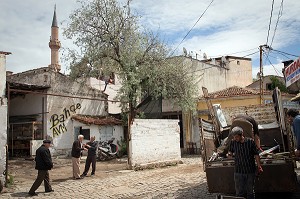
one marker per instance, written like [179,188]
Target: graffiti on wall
[57,121]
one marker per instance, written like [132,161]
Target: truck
[279,166]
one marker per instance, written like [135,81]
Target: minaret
[54,44]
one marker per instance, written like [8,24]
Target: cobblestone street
[183,181]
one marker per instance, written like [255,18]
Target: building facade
[46,104]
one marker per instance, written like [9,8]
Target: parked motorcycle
[107,150]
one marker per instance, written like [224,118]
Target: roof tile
[97,120]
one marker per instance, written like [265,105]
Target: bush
[122,147]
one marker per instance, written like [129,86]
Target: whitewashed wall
[62,131]
[100,133]
[3,117]
[154,141]
[111,91]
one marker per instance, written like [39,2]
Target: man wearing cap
[245,153]
[43,163]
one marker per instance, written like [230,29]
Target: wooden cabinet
[20,135]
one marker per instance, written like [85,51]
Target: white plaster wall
[3,117]
[56,105]
[111,91]
[154,141]
[99,131]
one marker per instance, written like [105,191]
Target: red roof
[97,120]
[236,91]
[233,91]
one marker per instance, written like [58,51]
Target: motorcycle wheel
[101,157]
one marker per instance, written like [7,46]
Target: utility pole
[261,88]
[261,74]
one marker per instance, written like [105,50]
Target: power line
[270,21]
[273,66]
[192,27]
[246,55]
[228,62]
[285,53]
[236,52]
[279,15]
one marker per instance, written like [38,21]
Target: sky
[227,27]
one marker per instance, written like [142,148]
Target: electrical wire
[285,53]
[246,55]
[282,54]
[279,15]
[270,21]
[192,28]
[236,52]
[228,62]
[277,72]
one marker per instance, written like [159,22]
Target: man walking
[245,153]
[76,153]
[294,119]
[91,157]
[43,163]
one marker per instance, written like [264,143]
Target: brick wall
[263,114]
[154,142]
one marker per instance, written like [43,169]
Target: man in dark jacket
[43,163]
[91,157]
[76,153]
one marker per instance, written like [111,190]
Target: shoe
[92,175]
[49,191]
[33,194]
[79,178]
[83,175]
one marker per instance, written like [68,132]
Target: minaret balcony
[54,43]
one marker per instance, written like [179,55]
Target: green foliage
[10,180]
[277,83]
[122,147]
[110,39]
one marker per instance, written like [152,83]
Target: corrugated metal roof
[97,120]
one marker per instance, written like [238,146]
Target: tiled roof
[233,91]
[97,120]
[236,91]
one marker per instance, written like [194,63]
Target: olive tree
[110,39]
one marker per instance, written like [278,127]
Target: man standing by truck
[294,119]
[254,126]
[245,153]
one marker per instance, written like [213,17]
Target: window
[86,134]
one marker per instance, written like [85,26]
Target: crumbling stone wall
[263,114]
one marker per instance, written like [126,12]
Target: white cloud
[228,26]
